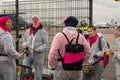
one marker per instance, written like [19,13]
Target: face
[35,20]
[116,33]
[8,24]
[91,32]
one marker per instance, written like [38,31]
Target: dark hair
[93,28]
[71,21]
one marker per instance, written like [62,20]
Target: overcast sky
[103,10]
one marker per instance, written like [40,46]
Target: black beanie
[71,21]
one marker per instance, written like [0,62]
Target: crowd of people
[36,42]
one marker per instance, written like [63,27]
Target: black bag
[73,56]
[100,47]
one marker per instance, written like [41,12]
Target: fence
[51,13]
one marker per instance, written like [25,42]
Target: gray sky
[103,10]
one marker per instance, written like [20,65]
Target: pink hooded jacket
[59,42]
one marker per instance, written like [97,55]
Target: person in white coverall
[98,66]
[36,40]
[8,54]
[117,54]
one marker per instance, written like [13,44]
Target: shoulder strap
[99,43]
[77,38]
[61,58]
[72,39]
[65,36]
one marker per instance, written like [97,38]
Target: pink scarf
[92,39]
[31,29]
[3,20]
[36,26]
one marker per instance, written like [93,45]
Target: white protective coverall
[37,40]
[7,56]
[117,58]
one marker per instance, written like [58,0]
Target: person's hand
[37,50]
[21,55]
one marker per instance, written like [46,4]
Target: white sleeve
[117,54]
[9,47]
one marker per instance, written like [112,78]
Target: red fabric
[38,23]
[3,20]
[25,77]
[105,60]
[31,29]
[92,39]
[36,26]
[31,78]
